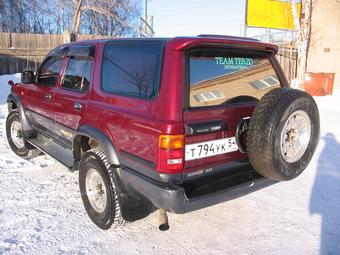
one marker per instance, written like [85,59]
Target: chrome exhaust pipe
[163,220]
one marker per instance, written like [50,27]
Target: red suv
[175,124]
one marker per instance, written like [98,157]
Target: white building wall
[324,51]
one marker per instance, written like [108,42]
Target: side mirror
[27,77]
[11,83]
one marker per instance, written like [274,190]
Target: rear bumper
[175,198]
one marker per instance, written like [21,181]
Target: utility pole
[145,26]
[146,16]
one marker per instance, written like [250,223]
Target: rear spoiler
[181,43]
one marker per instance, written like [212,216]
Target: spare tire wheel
[283,133]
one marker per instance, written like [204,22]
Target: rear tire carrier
[283,133]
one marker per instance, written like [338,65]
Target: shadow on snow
[325,197]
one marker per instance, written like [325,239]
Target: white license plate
[210,148]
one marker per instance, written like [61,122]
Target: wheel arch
[13,102]
[102,139]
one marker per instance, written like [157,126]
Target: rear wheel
[16,139]
[283,133]
[98,190]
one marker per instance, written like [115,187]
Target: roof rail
[229,37]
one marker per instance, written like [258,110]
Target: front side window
[49,71]
[132,69]
[227,78]
[77,75]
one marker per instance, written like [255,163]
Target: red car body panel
[134,125]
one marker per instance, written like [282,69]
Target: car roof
[211,36]
[182,42]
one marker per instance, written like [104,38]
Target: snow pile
[4,91]
[41,210]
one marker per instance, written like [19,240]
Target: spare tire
[283,133]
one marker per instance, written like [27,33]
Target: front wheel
[98,190]
[16,139]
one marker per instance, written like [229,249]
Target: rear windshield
[132,68]
[228,78]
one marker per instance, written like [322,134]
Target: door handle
[77,106]
[48,97]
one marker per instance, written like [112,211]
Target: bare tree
[104,17]
[303,31]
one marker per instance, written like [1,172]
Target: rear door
[71,96]
[222,89]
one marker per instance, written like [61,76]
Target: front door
[39,97]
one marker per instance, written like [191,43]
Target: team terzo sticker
[233,63]
[210,148]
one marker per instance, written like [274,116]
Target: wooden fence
[20,52]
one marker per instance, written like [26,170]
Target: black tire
[25,150]
[265,143]
[111,214]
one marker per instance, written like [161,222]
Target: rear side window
[225,78]
[132,69]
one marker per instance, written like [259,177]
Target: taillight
[171,153]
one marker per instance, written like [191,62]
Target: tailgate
[223,87]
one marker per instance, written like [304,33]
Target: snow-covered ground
[41,210]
